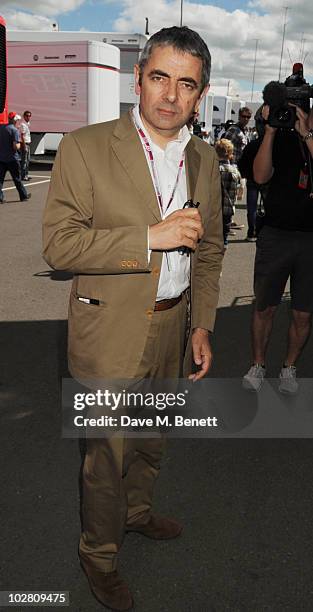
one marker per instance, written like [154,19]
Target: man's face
[244,118]
[27,117]
[169,89]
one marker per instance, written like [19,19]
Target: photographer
[284,245]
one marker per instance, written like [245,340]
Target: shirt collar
[178,144]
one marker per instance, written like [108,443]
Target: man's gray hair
[183,39]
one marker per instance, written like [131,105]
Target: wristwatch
[308,135]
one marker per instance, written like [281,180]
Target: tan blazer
[100,203]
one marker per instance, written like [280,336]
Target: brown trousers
[119,473]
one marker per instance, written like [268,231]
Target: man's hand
[265,114]
[181,228]
[202,353]
[304,121]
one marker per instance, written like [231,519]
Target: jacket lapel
[128,148]
[192,168]
[193,160]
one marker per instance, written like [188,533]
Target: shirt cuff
[149,250]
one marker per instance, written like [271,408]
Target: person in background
[194,126]
[197,130]
[25,144]
[238,134]
[246,170]
[217,130]
[10,146]
[230,177]
[224,128]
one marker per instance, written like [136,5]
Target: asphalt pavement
[246,503]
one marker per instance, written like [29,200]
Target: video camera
[278,96]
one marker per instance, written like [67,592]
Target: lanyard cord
[156,182]
[307,162]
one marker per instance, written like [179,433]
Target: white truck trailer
[221,109]
[206,113]
[66,85]
[130,46]
[236,104]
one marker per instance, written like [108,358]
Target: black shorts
[281,254]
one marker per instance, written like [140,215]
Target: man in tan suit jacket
[115,218]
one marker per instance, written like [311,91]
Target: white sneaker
[288,380]
[253,380]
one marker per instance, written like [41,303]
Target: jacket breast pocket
[89,301]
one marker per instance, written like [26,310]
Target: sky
[241,34]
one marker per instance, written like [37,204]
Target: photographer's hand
[302,124]
[265,115]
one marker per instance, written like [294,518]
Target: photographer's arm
[263,164]
[304,127]
[309,144]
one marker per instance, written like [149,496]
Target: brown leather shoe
[109,589]
[157,527]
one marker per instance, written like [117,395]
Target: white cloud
[231,36]
[34,14]
[49,7]
[16,20]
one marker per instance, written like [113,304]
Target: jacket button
[149,313]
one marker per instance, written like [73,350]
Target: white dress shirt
[175,269]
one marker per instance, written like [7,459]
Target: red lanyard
[154,171]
